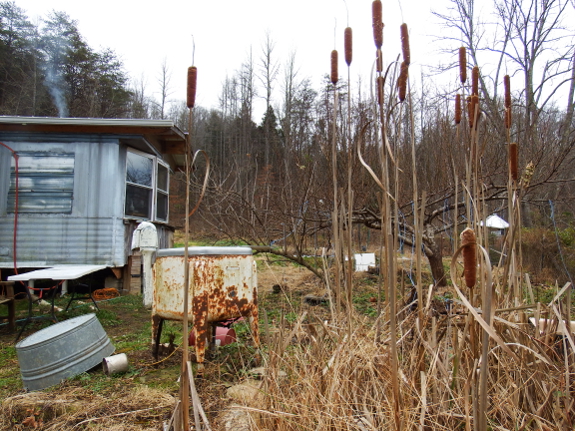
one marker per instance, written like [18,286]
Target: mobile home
[72,190]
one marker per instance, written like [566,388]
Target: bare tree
[540,47]
[165,91]
[269,68]
[268,73]
[526,37]
[140,103]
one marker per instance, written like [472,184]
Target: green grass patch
[364,304]
[10,380]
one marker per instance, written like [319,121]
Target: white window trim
[164,192]
[154,187]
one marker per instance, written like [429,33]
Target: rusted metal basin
[62,350]
[222,286]
[226,277]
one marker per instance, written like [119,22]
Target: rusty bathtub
[223,286]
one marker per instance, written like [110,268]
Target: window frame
[153,189]
[162,192]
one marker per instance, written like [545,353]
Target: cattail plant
[347,43]
[469,252]
[379,60]
[334,74]
[475,80]
[192,79]
[348,239]
[377,19]
[405,44]
[457,108]
[462,65]
[472,108]
[336,229]
[402,81]
[184,382]
[513,154]
[507,88]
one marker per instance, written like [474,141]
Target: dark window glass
[138,201]
[162,207]
[162,178]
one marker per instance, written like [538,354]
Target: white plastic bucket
[115,364]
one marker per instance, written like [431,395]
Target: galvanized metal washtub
[62,350]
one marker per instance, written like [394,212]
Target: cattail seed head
[379,60]
[192,79]
[405,44]
[380,86]
[334,74]
[462,65]
[472,108]
[470,111]
[347,43]
[475,80]
[513,155]
[402,81]
[469,252]
[507,88]
[377,22]
[457,108]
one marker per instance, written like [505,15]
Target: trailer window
[45,183]
[139,173]
[147,182]
[162,193]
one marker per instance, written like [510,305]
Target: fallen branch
[295,258]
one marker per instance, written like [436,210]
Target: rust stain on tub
[224,286]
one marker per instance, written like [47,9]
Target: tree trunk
[435,259]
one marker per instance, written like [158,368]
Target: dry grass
[76,408]
[342,382]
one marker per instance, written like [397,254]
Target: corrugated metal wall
[46,241]
[93,231]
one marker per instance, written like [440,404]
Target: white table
[60,272]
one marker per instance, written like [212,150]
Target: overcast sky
[145,33]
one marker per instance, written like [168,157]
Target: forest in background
[271,181]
